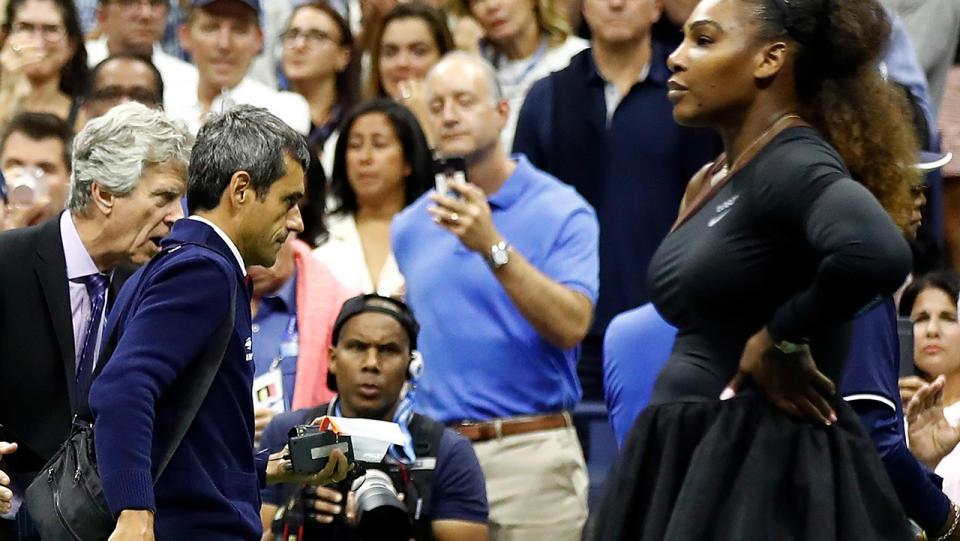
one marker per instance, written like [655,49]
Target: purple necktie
[97,290]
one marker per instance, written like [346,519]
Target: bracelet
[956,520]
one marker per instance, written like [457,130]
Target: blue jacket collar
[185,230]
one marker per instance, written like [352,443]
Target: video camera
[380,515]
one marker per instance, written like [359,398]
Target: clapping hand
[909,387]
[931,435]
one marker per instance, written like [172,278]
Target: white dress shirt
[288,106]
[343,255]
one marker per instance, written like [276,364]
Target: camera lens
[25,185]
[381,515]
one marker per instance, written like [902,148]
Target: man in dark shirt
[370,360]
[610,133]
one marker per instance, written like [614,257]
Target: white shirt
[289,107]
[517,76]
[273,21]
[343,255]
[226,239]
[175,72]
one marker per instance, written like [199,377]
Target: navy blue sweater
[870,385]
[165,317]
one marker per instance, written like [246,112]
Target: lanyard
[534,61]
[401,417]
[290,336]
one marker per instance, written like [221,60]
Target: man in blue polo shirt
[610,134]
[502,274]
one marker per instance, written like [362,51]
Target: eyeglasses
[312,37]
[115,93]
[51,33]
[919,189]
[131,4]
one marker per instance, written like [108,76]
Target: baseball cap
[390,306]
[252,4]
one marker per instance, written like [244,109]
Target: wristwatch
[787,347]
[499,254]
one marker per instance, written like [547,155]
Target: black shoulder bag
[66,500]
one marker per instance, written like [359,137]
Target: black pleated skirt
[743,470]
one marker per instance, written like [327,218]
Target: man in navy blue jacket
[244,184]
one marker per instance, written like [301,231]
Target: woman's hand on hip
[790,380]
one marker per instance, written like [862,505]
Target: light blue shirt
[482,357]
[271,335]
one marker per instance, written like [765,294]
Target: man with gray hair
[245,181]
[58,279]
[513,256]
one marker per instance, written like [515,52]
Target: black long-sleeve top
[790,242]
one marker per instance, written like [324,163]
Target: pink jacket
[319,299]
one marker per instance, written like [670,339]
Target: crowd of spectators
[528,281]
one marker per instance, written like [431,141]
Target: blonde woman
[525,40]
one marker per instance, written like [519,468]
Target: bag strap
[190,389]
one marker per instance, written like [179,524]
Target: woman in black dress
[775,250]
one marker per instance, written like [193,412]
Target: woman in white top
[525,40]
[381,164]
[931,303]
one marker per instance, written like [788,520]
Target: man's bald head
[466,106]
[460,62]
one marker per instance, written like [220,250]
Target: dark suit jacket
[37,359]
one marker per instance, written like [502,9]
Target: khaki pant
[536,485]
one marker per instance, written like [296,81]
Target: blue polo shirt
[636,346]
[273,336]
[631,164]
[482,358]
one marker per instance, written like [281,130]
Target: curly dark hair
[944,280]
[75,74]
[843,95]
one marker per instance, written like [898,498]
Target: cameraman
[373,341]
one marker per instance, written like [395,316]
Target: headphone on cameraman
[401,313]
[415,367]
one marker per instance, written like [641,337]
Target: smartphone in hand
[446,169]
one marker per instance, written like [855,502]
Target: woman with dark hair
[933,413]
[319,64]
[409,41]
[779,243]
[381,164]
[43,60]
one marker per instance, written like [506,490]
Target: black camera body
[310,447]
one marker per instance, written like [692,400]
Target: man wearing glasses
[134,27]
[123,78]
